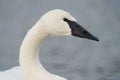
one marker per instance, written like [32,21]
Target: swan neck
[29,52]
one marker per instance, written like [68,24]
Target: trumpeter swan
[56,23]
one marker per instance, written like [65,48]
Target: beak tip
[96,39]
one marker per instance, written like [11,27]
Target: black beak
[79,31]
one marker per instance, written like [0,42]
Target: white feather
[30,67]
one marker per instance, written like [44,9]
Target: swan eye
[65,19]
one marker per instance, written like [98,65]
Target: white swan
[56,23]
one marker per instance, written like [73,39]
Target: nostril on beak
[77,26]
[84,32]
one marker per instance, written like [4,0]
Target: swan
[56,22]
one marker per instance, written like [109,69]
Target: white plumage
[56,23]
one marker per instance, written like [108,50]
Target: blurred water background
[73,58]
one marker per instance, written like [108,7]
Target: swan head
[61,23]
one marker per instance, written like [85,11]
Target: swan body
[11,74]
[54,23]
